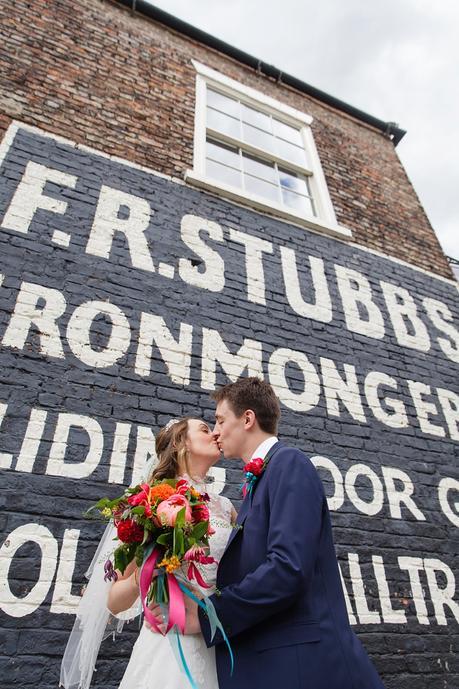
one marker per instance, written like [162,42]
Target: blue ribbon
[215,623]
[250,480]
[178,651]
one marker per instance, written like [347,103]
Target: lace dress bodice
[220,520]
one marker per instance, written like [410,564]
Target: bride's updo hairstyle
[171,450]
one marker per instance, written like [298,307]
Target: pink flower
[167,510]
[198,554]
[194,573]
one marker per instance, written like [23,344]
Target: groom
[279,594]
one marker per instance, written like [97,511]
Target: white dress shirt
[264,447]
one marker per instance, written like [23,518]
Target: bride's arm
[233,514]
[125,591]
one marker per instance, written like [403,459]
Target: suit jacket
[280,597]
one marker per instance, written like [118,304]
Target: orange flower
[161,492]
[170,563]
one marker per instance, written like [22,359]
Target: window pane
[223,103]
[257,118]
[258,138]
[261,188]
[223,123]
[223,154]
[259,168]
[300,204]
[293,182]
[284,131]
[294,154]
[224,174]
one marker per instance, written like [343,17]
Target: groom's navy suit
[280,597]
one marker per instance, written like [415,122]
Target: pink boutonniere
[252,471]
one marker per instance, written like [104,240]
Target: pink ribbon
[146,576]
[176,599]
[176,605]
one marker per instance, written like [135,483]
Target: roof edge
[390,129]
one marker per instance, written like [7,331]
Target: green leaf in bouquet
[200,530]
[164,539]
[139,555]
[100,504]
[178,545]
[170,482]
[121,560]
[180,518]
[124,555]
[150,525]
[140,510]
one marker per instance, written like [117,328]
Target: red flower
[255,466]
[200,513]
[142,498]
[182,486]
[129,531]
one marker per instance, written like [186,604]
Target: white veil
[94,622]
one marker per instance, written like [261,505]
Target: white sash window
[258,151]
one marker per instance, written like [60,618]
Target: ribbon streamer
[177,613]
[146,576]
[215,623]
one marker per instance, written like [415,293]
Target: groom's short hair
[255,394]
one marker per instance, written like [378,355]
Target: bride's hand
[160,619]
[192,624]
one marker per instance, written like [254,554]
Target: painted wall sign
[125,297]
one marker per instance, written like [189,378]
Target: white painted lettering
[213,276]
[56,464]
[27,313]
[107,222]
[304,399]
[79,328]
[247,358]
[254,250]
[176,354]
[29,196]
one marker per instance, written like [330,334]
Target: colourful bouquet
[163,526]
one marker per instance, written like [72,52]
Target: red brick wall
[97,74]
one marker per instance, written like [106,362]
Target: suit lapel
[247,502]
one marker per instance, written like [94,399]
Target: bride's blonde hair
[171,451]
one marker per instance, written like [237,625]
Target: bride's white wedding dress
[153,664]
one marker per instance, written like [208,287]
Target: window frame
[325,220]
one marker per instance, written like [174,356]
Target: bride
[185,449]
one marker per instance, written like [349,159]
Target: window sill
[330,228]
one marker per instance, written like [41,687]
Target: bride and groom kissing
[276,590]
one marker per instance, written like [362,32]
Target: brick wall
[125,85]
[105,336]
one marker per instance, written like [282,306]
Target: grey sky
[397,60]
